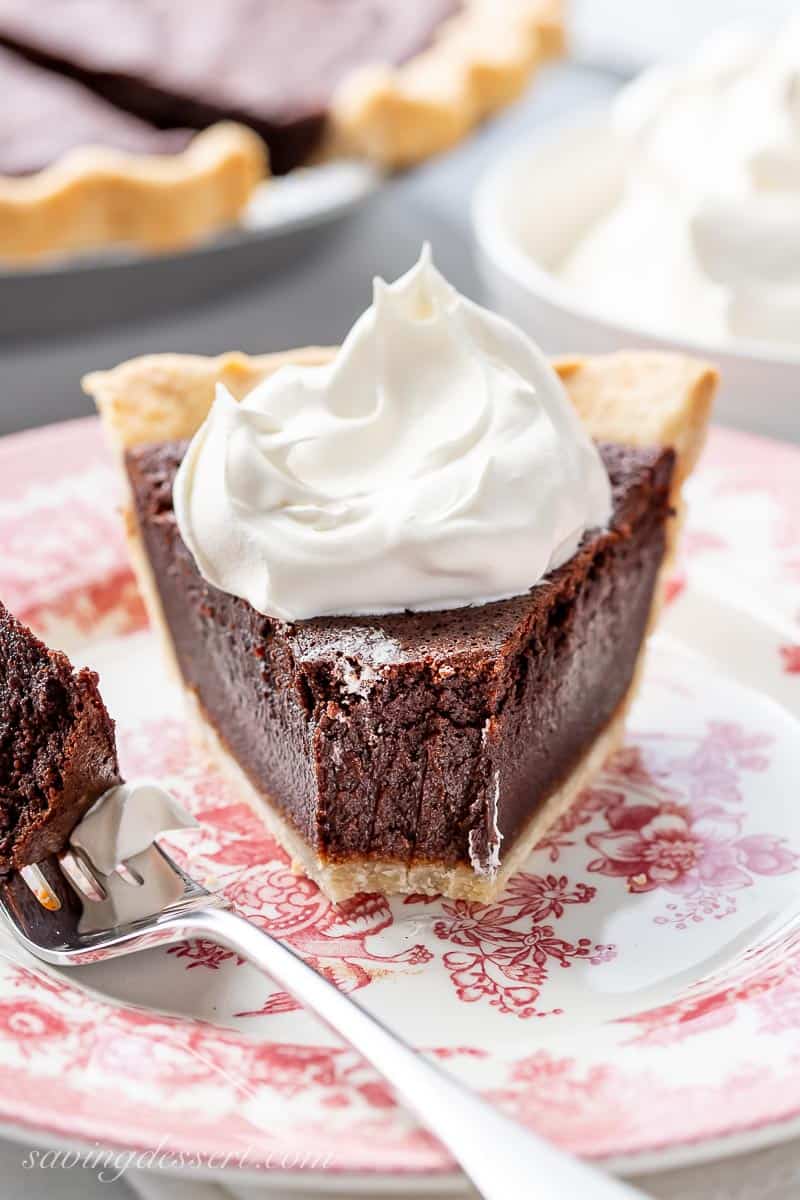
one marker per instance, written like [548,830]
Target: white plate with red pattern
[580,1001]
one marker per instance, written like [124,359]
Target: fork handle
[502,1159]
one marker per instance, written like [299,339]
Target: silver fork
[66,912]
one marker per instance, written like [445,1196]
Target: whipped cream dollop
[435,462]
[705,237]
[126,820]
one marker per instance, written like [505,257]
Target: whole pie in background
[100,136]
[77,173]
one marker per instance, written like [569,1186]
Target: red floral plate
[626,997]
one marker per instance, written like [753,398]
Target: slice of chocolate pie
[57,749]
[395,80]
[405,593]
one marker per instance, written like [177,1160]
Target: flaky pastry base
[95,197]
[634,397]
[479,61]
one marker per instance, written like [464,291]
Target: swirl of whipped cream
[435,462]
[705,238]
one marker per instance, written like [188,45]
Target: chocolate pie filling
[57,748]
[45,115]
[272,64]
[417,737]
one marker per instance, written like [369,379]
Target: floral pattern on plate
[642,1039]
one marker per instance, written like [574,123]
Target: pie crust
[94,196]
[633,397]
[479,61]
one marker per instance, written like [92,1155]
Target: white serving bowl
[531,208]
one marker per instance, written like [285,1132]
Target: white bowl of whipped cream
[671,219]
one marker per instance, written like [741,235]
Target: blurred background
[306,285]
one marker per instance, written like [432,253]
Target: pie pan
[286,218]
